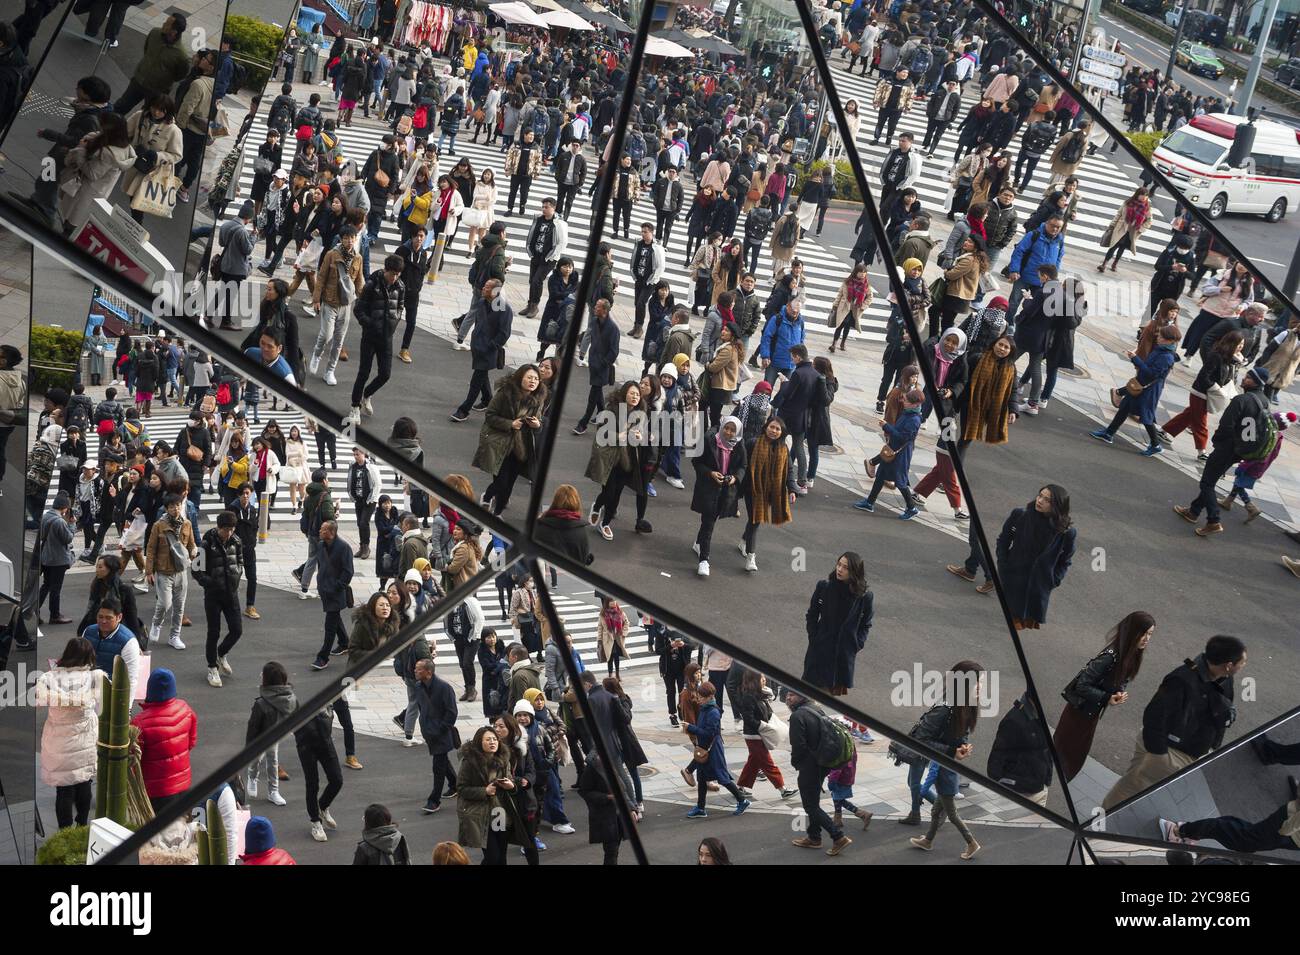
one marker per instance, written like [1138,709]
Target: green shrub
[256,44]
[65,847]
[846,185]
[1145,142]
[52,351]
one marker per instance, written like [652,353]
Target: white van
[1195,157]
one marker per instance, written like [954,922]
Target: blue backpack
[541,123]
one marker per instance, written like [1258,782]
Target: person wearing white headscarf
[719,472]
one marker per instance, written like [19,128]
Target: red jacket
[268,857]
[168,731]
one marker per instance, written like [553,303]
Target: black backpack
[789,233]
[1073,150]
[282,115]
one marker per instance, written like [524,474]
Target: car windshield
[1203,51]
[1205,151]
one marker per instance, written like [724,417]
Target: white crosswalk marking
[167,423]
[579,616]
[1102,186]
[825,270]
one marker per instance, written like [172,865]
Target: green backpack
[1268,438]
[835,747]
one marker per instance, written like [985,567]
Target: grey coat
[56,540]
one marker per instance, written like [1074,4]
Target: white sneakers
[176,643]
[355,414]
[304,595]
[326,818]
[318,832]
[677,483]
[309,309]
[744,551]
[564,829]
[329,378]
[314,365]
[367,407]
[274,797]
[461,346]
[408,741]
[751,562]
[252,788]
[223,664]
[214,677]
[696,547]
[703,569]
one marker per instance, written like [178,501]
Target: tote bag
[157,192]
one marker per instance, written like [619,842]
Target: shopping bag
[143,667]
[133,539]
[309,257]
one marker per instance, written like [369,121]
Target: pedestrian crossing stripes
[1102,186]
[168,422]
[824,269]
[579,618]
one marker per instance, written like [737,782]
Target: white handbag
[774,731]
[1217,396]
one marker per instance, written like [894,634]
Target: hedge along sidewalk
[1235,64]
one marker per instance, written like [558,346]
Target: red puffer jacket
[168,731]
[269,857]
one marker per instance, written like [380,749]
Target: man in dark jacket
[1037,140]
[1000,225]
[940,111]
[570,171]
[793,403]
[237,238]
[1240,430]
[163,63]
[546,242]
[333,580]
[492,318]
[1186,718]
[722,218]
[218,570]
[603,358]
[378,310]
[91,99]
[667,196]
[415,266]
[1249,323]
[436,701]
[807,723]
[247,515]
[490,262]
[896,170]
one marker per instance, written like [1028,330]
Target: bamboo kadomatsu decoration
[112,772]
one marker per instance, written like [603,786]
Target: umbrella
[707,42]
[658,46]
[600,17]
[567,19]
[516,12]
[674,35]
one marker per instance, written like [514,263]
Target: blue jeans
[921,790]
[671,464]
[553,803]
[373,218]
[814,453]
[444,136]
[1013,299]
[1049,381]
[366,239]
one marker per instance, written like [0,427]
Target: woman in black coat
[717,489]
[1034,551]
[563,528]
[73,446]
[1060,345]
[388,537]
[604,822]
[819,418]
[561,289]
[839,620]
[1102,682]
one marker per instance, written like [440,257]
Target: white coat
[69,739]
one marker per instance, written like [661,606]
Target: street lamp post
[1257,61]
[1178,36]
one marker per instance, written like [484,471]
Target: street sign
[1104,56]
[111,236]
[1100,82]
[1101,69]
